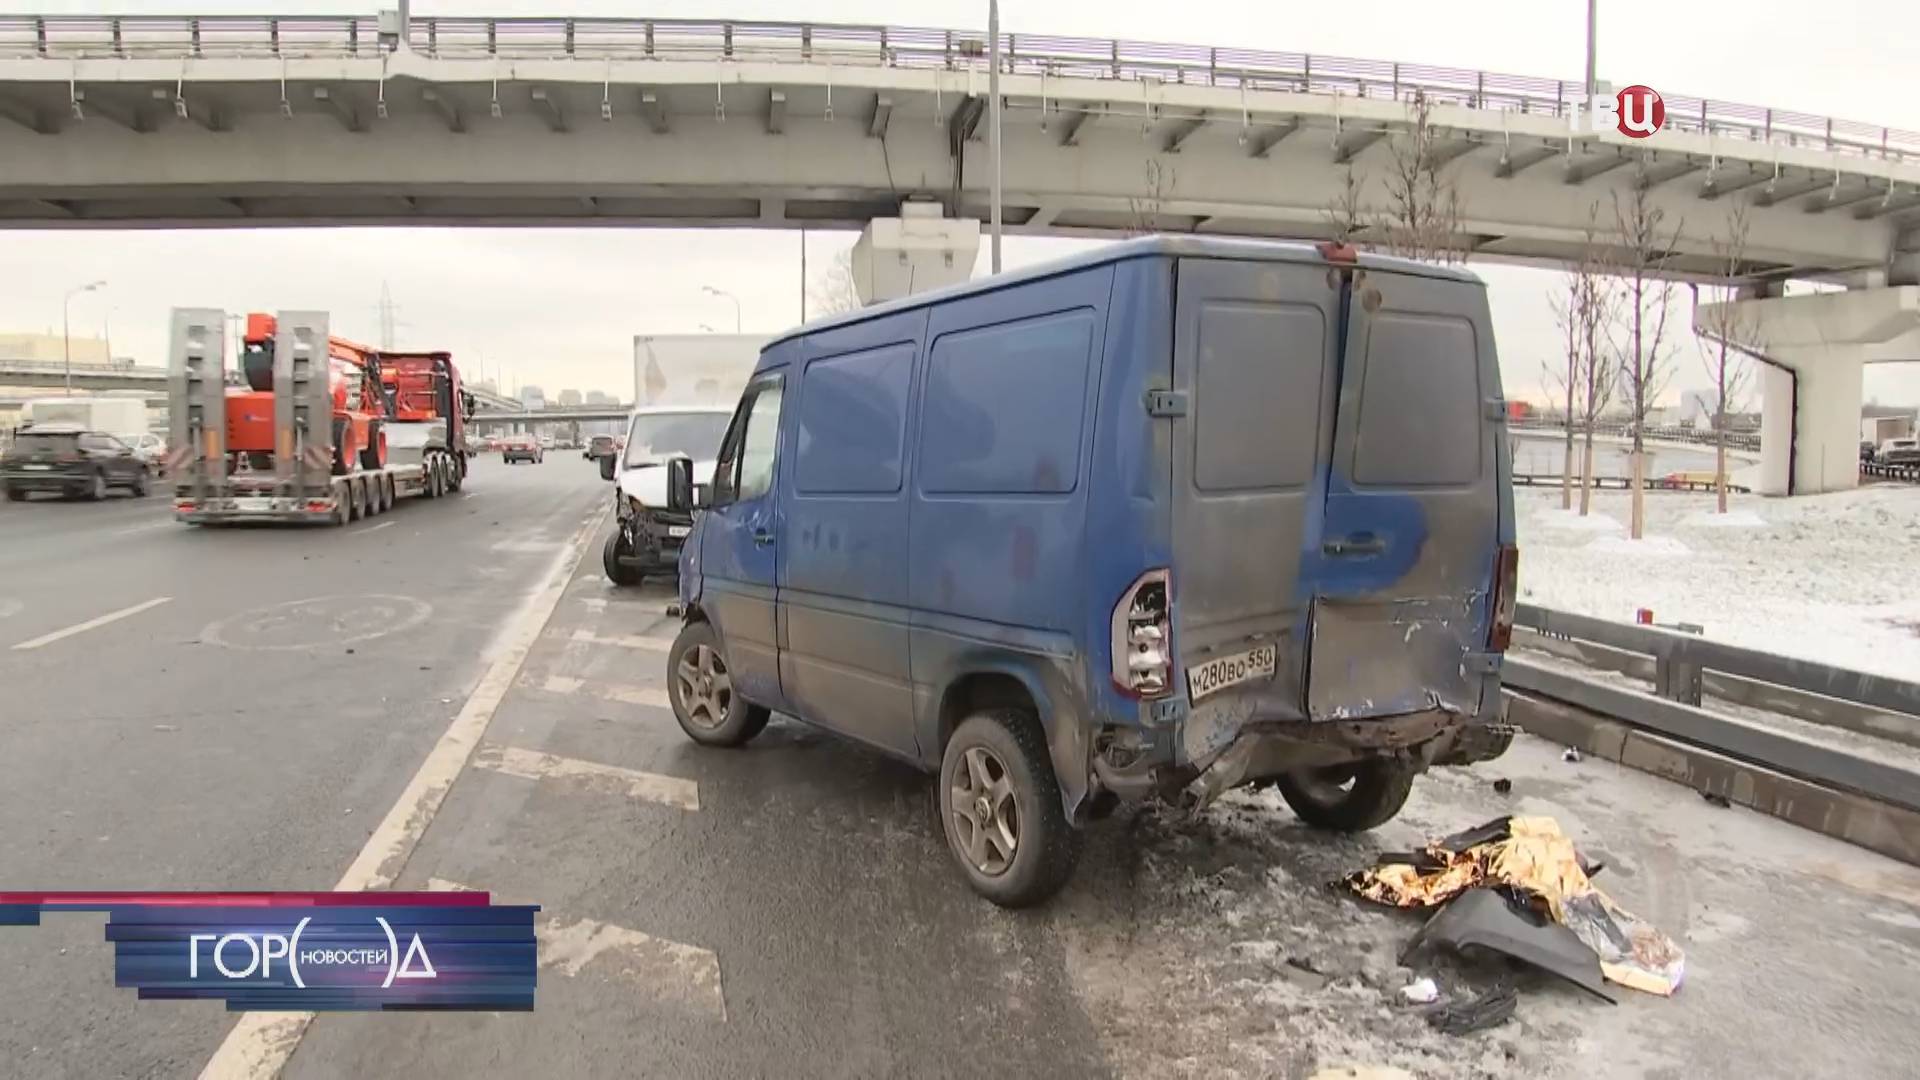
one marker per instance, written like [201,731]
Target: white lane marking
[595,604]
[81,628]
[629,695]
[624,641]
[374,528]
[259,1046]
[533,765]
[148,527]
[667,969]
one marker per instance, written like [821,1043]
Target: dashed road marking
[261,1043]
[534,765]
[629,695]
[373,528]
[668,970]
[624,641]
[595,604]
[148,527]
[90,624]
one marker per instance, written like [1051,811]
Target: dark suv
[70,461]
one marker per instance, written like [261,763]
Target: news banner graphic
[311,952]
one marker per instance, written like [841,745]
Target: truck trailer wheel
[373,456]
[340,467]
[610,557]
[1348,798]
[1000,809]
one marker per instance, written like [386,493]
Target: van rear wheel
[1000,809]
[1348,798]
[700,689]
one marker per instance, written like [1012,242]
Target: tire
[456,472]
[340,446]
[387,494]
[139,485]
[343,508]
[16,495]
[707,710]
[996,767]
[97,490]
[373,456]
[1377,790]
[356,504]
[610,561]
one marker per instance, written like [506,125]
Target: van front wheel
[1000,809]
[700,689]
[1348,798]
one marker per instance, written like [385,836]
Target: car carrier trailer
[411,402]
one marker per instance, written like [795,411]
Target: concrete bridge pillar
[915,252]
[1810,392]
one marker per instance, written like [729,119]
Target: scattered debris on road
[1503,786]
[1570,754]
[1488,1010]
[1421,991]
[1514,867]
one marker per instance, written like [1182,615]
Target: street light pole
[1593,85]
[993,124]
[736,303]
[66,327]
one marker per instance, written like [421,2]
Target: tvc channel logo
[1635,111]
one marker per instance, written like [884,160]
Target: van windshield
[658,436]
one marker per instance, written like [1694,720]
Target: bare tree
[1143,211]
[1422,215]
[1728,331]
[832,290]
[1645,247]
[1345,215]
[1564,377]
[1594,301]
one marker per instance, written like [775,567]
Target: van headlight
[635,506]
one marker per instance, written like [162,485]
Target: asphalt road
[786,909]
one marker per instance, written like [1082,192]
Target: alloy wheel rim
[986,817]
[706,690]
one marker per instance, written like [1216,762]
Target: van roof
[1212,247]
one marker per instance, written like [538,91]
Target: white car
[648,537]
[149,448]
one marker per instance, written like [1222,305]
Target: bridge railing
[1736,440]
[1052,56]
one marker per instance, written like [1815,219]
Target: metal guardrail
[909,47]
[1680,666]
[1622,483]
[1904,472]
[1736,440]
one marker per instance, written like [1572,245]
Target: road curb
[1889,830]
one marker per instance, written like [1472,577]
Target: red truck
[323,430]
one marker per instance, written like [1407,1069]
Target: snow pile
[1656,547]
[1830,577]
[1732,519]
[1557,518]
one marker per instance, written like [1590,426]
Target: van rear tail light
[1143,637]
[1506,581]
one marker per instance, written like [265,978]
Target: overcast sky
[559,307]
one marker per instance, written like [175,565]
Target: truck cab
[649,535]
[1175,517]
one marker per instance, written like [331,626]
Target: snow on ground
[1833,578]
[1732,519]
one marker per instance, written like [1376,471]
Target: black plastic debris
[1485,919]
[1489,1010]
[1720,801]
[1503,785]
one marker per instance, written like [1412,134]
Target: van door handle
[762,537]
[1357,544]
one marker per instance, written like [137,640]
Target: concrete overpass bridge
[230,121]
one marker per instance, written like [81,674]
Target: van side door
[739,538]
[1255,356]
[1402,582]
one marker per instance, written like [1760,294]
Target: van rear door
[1401,579]
[1254,355]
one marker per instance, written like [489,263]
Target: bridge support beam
[1810,387]
[917,251]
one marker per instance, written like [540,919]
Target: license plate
[39,468]
[1225,671]
[253,505]
[678,532]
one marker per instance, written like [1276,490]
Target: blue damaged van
[1176,516]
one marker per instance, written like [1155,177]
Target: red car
[521,448]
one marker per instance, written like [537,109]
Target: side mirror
[680,485]
[607,464]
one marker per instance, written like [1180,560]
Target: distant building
[1878,423]
[52,348]
[600,397]
[532,398]
[569,398]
